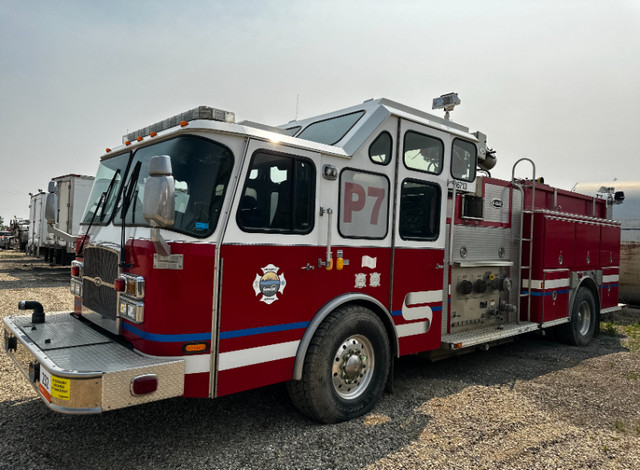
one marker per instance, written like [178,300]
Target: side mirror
[51,204]
[158,205]
[618,197]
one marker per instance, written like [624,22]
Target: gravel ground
[529,404]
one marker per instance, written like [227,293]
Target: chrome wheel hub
[353,365]
[583,319]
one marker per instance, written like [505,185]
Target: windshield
[201,170]
[106,171]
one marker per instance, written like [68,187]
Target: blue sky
[556,81]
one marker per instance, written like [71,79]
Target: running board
[470,338]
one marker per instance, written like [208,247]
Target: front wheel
[580,330]
[346,367]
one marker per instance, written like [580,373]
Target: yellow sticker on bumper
[60,388]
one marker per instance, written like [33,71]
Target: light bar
[201,112]
[446,102]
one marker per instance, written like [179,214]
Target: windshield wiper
[129,192]
[107,195]
[104,197]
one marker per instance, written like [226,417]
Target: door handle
[439,266]
[308,267]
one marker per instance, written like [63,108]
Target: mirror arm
[61,234]
[162,247]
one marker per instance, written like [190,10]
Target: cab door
[268,263]
[420,236]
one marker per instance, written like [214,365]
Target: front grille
[100,270]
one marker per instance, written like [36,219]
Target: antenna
[297,106]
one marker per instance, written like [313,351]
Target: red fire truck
[220,256]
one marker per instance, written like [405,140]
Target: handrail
[533,206]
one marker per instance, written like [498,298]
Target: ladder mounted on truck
[529,238]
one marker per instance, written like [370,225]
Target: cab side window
[463,160]
[423,153]
[278,195]
[419,210]
[380,149]
[364,204]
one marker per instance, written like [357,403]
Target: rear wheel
[346,367]
[580,330]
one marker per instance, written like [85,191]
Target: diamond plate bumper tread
[90,372]
[486,335]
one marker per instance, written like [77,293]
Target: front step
[77,369]
[470,338]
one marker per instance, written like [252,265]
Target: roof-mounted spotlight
[446,102]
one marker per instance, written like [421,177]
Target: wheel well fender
[590,284]
[347,299]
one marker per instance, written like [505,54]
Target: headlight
[76,287]
[131,286]
[132,310]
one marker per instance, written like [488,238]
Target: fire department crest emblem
[269,284]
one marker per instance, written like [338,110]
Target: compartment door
[555,294]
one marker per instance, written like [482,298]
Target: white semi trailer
[72,193]
[38,233]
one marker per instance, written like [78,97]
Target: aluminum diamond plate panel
[482,244]
[486,335]
[116,391]
[60,331]
[109,357]
[493,212]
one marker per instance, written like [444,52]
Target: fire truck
[219,256]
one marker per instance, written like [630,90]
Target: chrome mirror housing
[51,204]
[158,205]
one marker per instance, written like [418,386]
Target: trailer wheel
[580,330]
[346,367]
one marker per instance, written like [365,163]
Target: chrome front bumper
[76,369]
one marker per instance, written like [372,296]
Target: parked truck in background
[217,257]
[6,239]
[38,236]
[72,193]
[20,230]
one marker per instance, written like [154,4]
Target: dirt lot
[533,403]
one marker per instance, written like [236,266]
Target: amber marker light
[139,139]
[183,123]
[128,142]
[193,348]
[107,150]
[329,265]
[153,134]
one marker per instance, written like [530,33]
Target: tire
[346,367]
[581,329]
